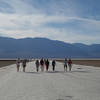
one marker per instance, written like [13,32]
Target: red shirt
[69,62]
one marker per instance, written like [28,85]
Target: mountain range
[43,47]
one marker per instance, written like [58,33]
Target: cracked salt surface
[83,83]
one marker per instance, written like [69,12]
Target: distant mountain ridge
[43,47]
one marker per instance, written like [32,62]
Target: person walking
[24,64]
[47,64]
[42,64]
[65,64]
[37,65]
[18,64]
[53,65]
[70,64]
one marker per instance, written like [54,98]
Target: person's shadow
[55,72]
[32,72]
[80,71]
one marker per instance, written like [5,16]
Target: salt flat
[83,83]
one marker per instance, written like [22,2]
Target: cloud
[20,26]
[19,7]
[5,7]
[62,21]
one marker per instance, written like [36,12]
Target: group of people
[43,64]
[67,63]
[18,63]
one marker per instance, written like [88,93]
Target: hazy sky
[65,20]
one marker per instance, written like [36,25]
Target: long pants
[70,67]
[65,68]
[18,68]
[47,67]
[24,68]
[53,67]
[37,68]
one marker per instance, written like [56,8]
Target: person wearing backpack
[53,65]
[65,64]
[47,64]
[18,64]
[37,65]
[24,64]
[70,64]
[42,64]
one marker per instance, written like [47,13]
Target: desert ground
[4,63]
[82,83]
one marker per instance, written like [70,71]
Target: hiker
[18,64]
[70,64]
[37,65]
[47,64]
[53,65]
[42,64]
[65,64]
[24,64]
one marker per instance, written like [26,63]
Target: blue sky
[66,20]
